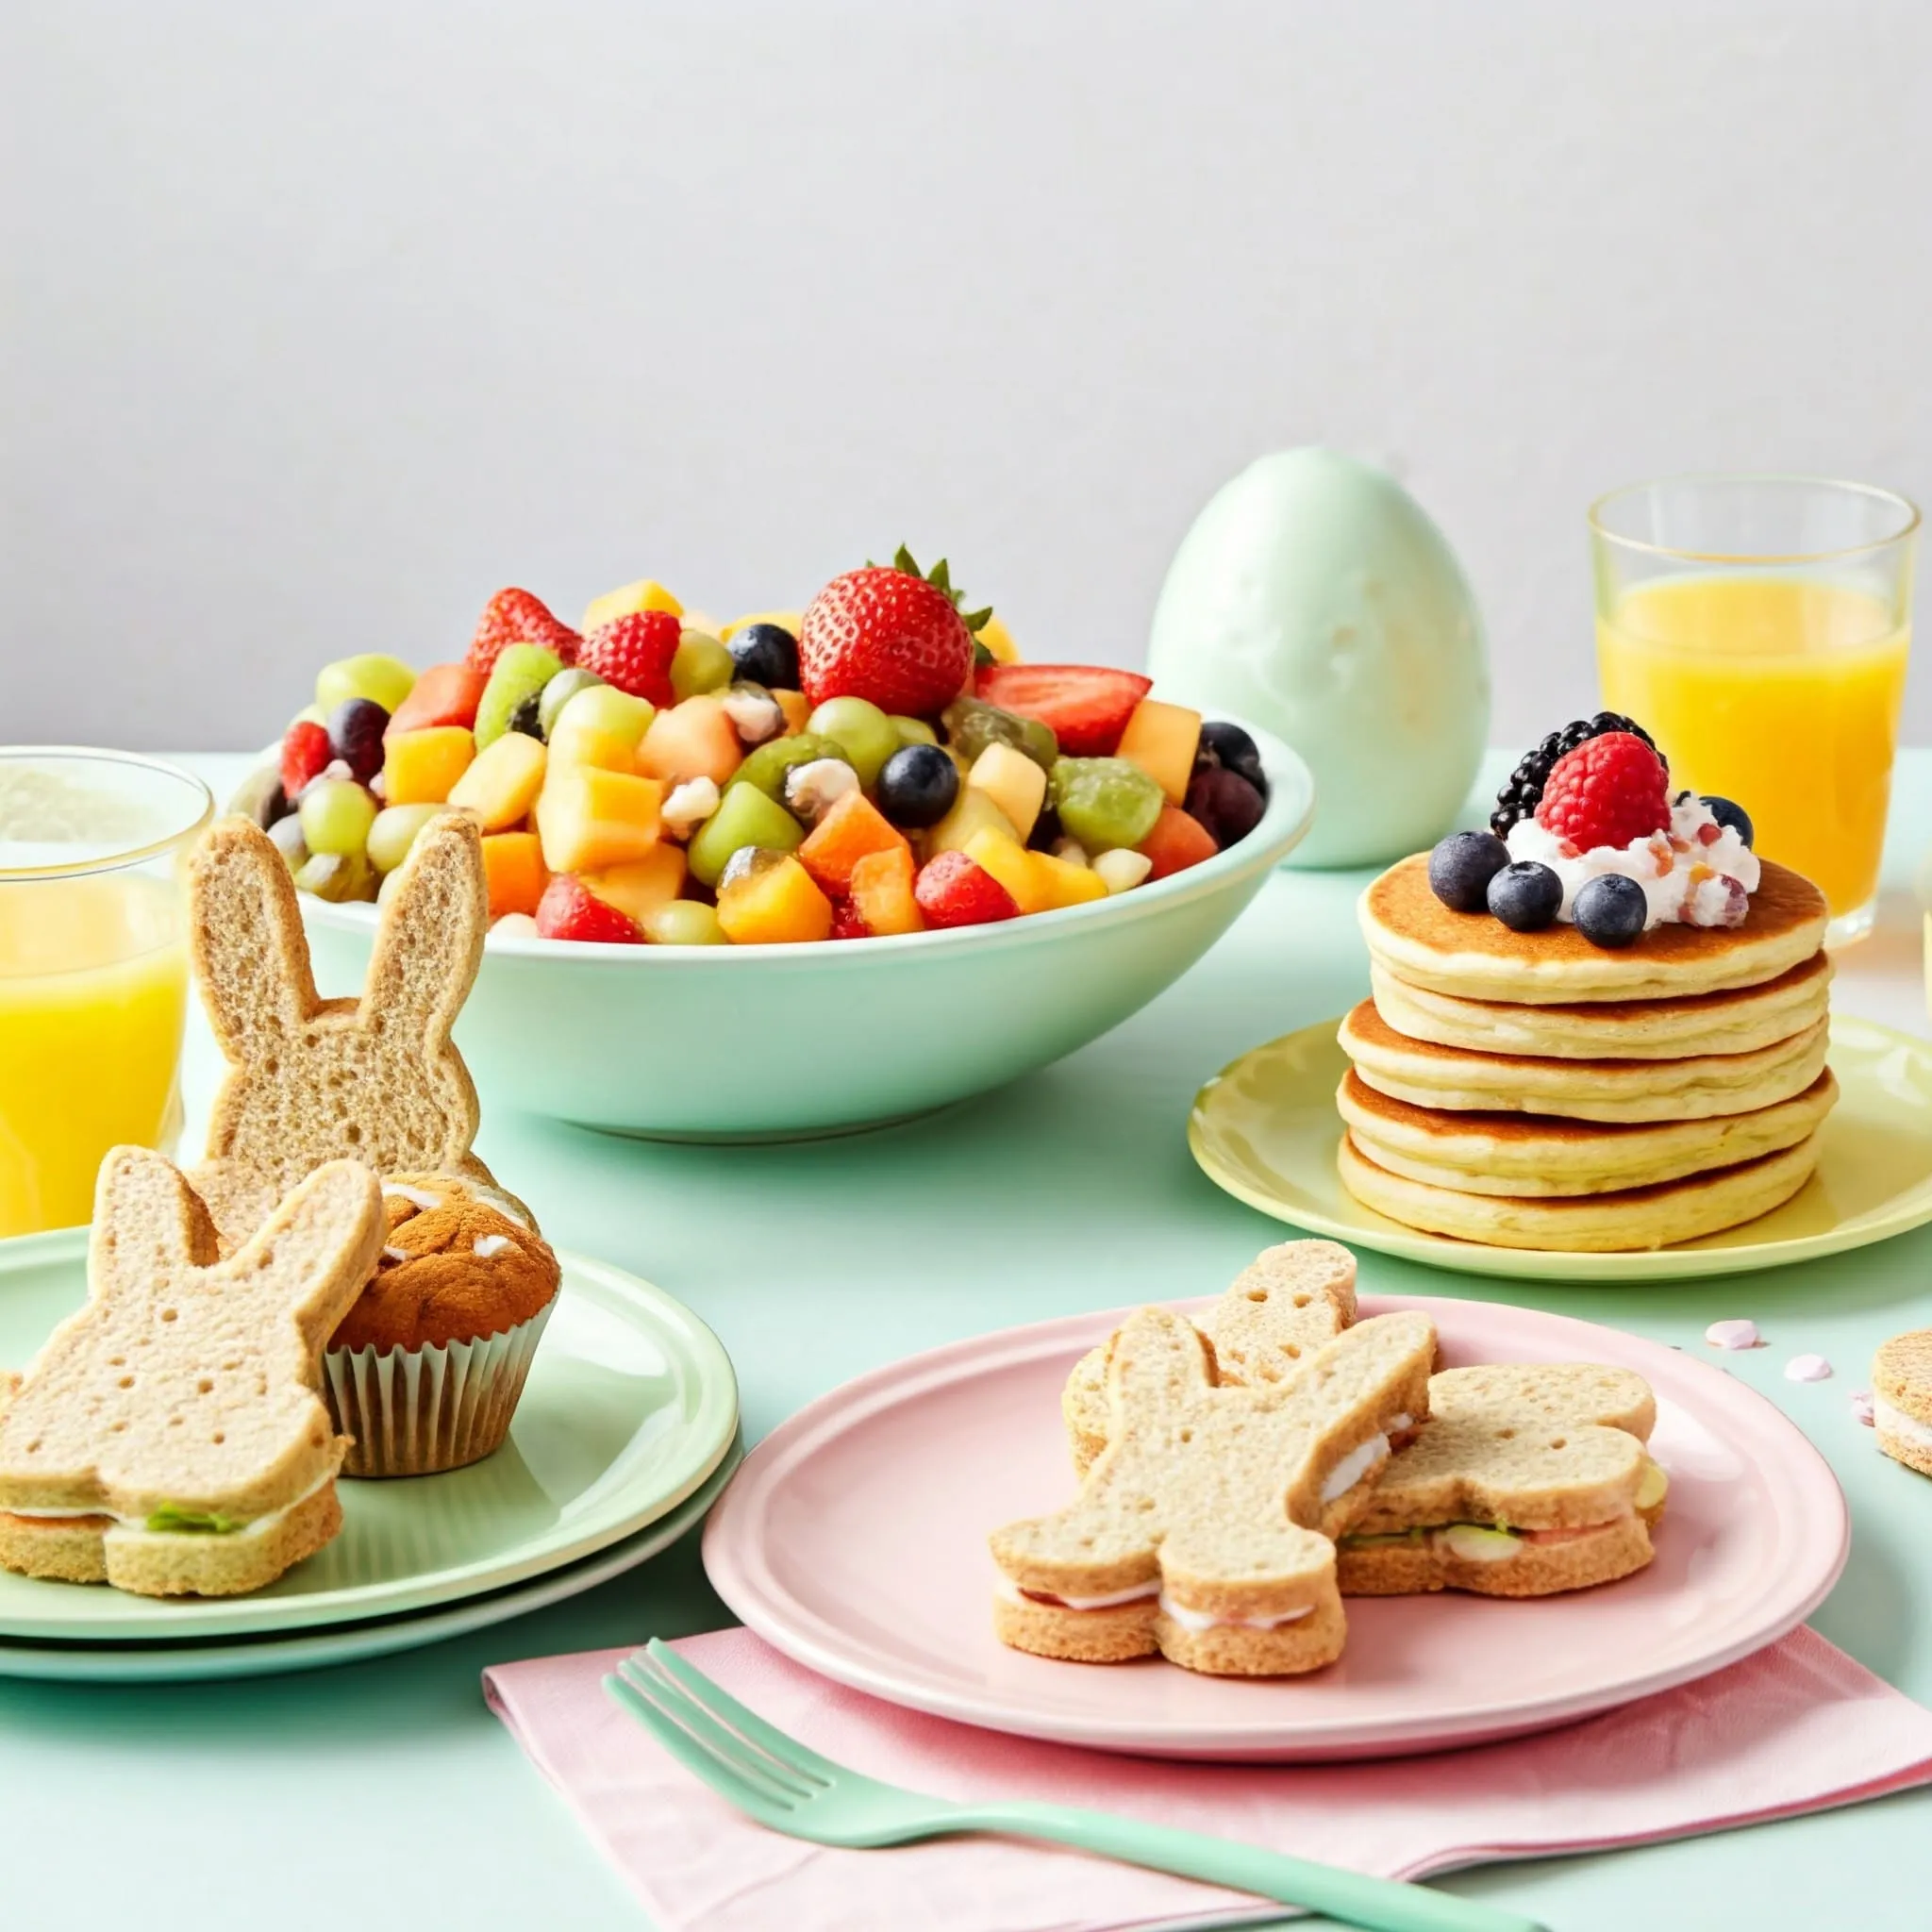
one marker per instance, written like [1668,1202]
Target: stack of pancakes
[1530,1090]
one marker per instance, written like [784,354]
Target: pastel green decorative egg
[1315,595]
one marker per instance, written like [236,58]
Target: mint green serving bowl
[755,1043]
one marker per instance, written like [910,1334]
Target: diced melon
[881,891]
[1062,883]
[851,830]
[1176,842]
[694,740]
[600,711]
[444,695]
[645,594]
[514,870]
[1013,782]
[589,818]
[1162,740]
[639,888]
[972,811]
[422,767]
[775,903]
[797,708]
[503,783]
[1002,855]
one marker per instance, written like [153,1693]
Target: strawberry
[848,923]
[890,636]
[518,617]
[952,889]
[634,652]
[1612,789]
[567,911]
[1087,705]
[305,752]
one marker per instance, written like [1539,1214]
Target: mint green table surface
[382,1795]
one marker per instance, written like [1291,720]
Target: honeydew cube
[589,818]
[1013,782]
[1121,870]
[1162,740]
[503,783]
[972,811]
[645,594]
[422,767]
[643,884]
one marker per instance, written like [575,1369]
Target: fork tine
[747,1760]
[702,1762]
[776,1743]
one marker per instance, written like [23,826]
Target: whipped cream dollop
[1698,873]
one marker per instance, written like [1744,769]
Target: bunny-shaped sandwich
[309,1080]
[1201,1531]
[1529,1478]
[171,1437]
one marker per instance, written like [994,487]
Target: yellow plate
[1266,1129]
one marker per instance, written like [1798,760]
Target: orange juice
[93,987]
[1780,692]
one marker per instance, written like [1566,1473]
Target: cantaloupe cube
[1062,883]
[694,740]
[503,783]
[422,767]
[1013,782]
[1176,842]
[797,708]
[589,818]
[853,828]
[444,695]
[769,905]
[972,811]
[1001,854]
[881,891]
[639,888]
[645,594]
[513,866]
[1162,741]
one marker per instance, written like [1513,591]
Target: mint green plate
[1266,1129]
[630,1406]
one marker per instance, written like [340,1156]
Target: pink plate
[854,1538]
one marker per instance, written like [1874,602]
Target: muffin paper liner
[418,1412]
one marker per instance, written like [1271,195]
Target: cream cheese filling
[1354,1466]
[136,1525]
[1200,1621]
[1895,1422]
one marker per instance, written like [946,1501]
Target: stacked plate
[1534,1090]
[628,1429]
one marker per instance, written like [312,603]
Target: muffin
[425,1371]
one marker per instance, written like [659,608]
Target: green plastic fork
[777,1780]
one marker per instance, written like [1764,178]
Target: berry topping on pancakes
[1611,790]
[1520,796]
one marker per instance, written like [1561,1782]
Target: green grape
[337,876]
[684,923]
[702,664]
[971,725]
[746,816]
[385,681]
[766,766]
[559,692]
[1105,803]
[914,731]
[394,832]
[336,816]
[865,736]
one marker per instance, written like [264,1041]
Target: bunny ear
[1157,1361]
[316,1252]
[148,1221]
[250,952]
[430,942]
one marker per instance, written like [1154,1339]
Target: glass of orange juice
[93,968]
[1758,627]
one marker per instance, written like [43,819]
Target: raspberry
[1611,790]
[634,652]
[1518,798]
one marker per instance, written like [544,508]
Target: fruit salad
[878,763]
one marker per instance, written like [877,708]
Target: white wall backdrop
[323,322]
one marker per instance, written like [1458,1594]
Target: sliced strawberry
[952,889]
[305,752]
[518,617]
[848,923]
[1087,705]
[634,652]
[567,911]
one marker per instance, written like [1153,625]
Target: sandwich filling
[1363,1457]
[1200,1621]
[1895,1422]
[170,1520]
[1497,1541]
[1140,1592]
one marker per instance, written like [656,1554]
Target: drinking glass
[1758,627]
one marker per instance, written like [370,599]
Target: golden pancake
[1636,1218]
[1608,1089]
[1515,1153]
[1413,935]
[1740,1021]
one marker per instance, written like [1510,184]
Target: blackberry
[1520,797]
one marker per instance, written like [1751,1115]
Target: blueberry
[917,786]
[1732,817]
[1610,911]
[1047,830]
[1461,867]
[528,715]
[1524,896]
[765,653]
[355,736]
[1233,750]
[1229,804]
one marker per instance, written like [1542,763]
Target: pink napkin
[1798,1727]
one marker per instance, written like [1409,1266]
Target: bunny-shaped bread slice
[171,1437]
[375,1079]
[1529,1478]
[1196,1532]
